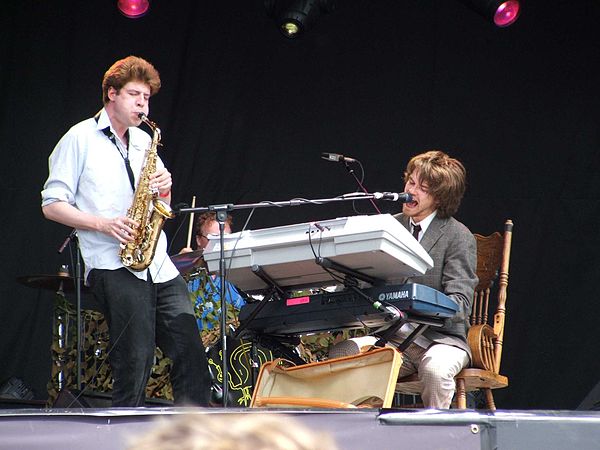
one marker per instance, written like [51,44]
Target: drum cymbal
[187,261]
[50,282]
[67,284]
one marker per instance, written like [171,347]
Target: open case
[364,380]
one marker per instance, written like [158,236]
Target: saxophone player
[93,173]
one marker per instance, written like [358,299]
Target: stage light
[133,8]
[295,17]
[507,13]
[501,12]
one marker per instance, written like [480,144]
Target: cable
[317,255]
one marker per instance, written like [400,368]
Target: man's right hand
[123,229]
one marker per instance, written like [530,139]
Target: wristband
[166,194]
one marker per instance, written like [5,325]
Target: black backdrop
[245,115]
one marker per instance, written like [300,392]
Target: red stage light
[133,8]
[507,13]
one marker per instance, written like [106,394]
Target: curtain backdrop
[246,113]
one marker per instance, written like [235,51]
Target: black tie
[416,231]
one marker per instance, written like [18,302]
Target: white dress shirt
[88,171]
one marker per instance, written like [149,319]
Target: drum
[189,264]
[95,368]
[245,358]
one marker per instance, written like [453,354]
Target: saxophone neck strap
[110,135]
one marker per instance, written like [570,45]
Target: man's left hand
[162,181]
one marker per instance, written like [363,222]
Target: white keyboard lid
[376,245]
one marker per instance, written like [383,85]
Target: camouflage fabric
[95,368]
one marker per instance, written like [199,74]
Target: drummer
[206,288]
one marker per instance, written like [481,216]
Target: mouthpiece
[147,121]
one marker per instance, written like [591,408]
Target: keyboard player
[437,183]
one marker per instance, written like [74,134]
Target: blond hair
[249,431]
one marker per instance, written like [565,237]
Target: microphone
[70,237]
[178,207]
[336,157]
[402,197]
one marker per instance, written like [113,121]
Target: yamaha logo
[396,295]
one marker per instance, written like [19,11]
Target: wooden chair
[486,334]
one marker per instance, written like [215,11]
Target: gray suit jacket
[454,252]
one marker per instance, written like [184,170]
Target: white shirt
[424,224]
[87,171]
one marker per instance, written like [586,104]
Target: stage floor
[110,428]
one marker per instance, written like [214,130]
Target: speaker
[591,402]
[14,403]
[15,394]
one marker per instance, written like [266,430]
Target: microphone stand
[221,214]
[360,185]
[73,238]
[221,218]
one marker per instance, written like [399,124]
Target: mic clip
[336,157]
[178,207]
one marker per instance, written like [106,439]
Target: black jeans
[140,315]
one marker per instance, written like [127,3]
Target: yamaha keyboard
[377,246]
[347,309]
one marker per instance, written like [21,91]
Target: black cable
[333,275]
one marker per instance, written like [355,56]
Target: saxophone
[149,211]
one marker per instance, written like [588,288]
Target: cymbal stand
[78,279]
[62,326]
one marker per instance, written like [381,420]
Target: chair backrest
[493,258]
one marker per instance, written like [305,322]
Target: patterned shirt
[205,291]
